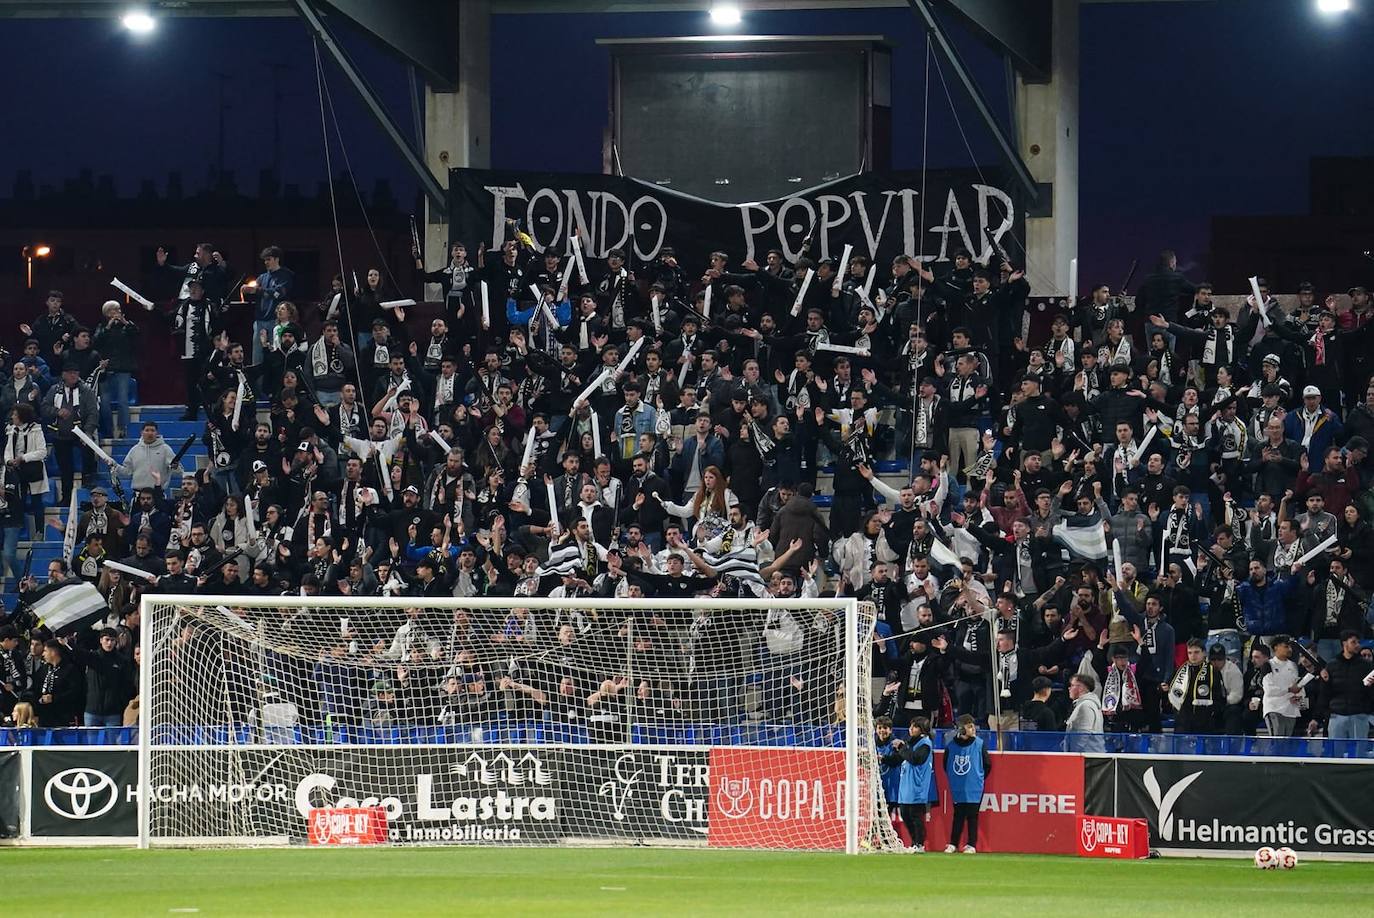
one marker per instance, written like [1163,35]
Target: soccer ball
[1288,858]
[1266,858]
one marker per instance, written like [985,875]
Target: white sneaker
[969,849]
[949,849]
[916,849]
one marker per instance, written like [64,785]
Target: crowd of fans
[660,429]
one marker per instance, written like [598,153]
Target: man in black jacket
[117,341]
[1346,690]
[109,682]
[14,677]
[1163,291]
[642,504]
[60,692]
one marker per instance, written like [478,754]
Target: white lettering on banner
[1063,804]
[607,201]
[322,782]
[781,799]
[953,222]
[798,229]
[990,238]
[498,210]
[750,230]
[641,252]
[220,793]
[608,221]
[871,237]
[674,777]
[828,223]
[538,222]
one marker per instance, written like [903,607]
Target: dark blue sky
[1189,109]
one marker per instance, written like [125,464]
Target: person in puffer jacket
[1262,601]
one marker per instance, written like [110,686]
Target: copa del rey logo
[769,798]
[1103,832]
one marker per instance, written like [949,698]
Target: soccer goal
[720,722]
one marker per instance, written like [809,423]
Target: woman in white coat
[229,531]
[25,451]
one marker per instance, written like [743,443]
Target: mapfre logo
[81,793]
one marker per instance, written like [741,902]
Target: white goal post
[511,720]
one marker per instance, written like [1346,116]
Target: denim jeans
[1230,641]
[227,479]
[328,399]
[1328,648]
[259,326]
[101,720]
[1348,726]
[114,388]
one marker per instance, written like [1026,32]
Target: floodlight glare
[725,14]
[1332,7]
[138,22]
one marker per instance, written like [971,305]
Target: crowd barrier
[535,732]
[655,793]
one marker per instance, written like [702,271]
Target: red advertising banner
[363,825]
[770,798]
[1103,836]
[1031,804]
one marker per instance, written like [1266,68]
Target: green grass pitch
[526,881]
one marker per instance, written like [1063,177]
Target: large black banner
[84,792]
[10,796]
[636,794]
[881,214]
[438,794]
[1236,804]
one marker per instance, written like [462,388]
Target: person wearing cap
[1280,696]
[1233,691]
[374,353]
[1120,403]
[67,405]
[117,339]
[1313,426]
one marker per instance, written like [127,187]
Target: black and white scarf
[1192,684]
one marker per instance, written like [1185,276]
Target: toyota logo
[85,793]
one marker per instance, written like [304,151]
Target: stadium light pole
[30,253]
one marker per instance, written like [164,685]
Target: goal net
[732,723]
